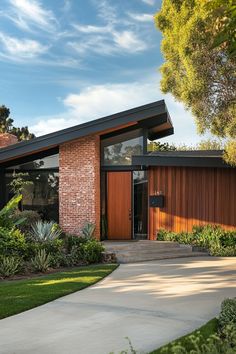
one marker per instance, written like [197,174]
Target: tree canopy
[6,126]
[199,67]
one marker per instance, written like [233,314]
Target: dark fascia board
[158,135]
[180,161]
[151,110]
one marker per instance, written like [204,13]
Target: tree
[6,126]
[158,146]
[195,71]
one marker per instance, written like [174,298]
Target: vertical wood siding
[193,196]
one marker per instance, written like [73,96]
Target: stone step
[160,256]
[139,245]
[145,251]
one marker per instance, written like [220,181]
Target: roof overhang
[153,116]
[207,158]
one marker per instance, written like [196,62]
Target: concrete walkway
[151,303]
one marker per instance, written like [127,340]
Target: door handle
[130,214]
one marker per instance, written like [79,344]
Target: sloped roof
[153,116]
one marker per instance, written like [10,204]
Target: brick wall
[79,184]
[7,139]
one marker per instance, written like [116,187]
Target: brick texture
[7,139]
[79,184]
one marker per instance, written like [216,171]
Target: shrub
[228,313]
[9,265]
[88,230]
[91,251]
[12,242]
[45,231]
[212,237]
[215,344]
[41,261]
[29,217]
[71,241]
[6,219]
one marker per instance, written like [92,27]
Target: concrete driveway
[151,303]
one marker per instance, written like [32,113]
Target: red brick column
[7,139]
[79,184]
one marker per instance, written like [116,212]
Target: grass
[206,330]
[20,295]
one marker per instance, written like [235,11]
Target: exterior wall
[193,196]
[79,184]
[7,139]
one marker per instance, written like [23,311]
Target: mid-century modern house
[102,172]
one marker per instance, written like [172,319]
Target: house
[101,172]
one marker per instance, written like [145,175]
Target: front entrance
[126,205]
[119,205]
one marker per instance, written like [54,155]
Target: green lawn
[21,295]
[206,330]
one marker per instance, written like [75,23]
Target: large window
[118,150]
[41,193]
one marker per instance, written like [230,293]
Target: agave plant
[88,230]
[9,265]
[41,261]
[45,231]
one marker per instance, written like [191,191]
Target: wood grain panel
[119,205]
[193,196]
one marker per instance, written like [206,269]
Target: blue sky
[64,62]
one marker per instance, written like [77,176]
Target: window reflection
[120,149]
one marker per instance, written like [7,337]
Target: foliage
[6,214]
[9,265]
[41,261]
[224,18]
[19,182]
[210,144]
[88,230]
[158,146]
[219,242]
[195,73]
[230,152]
[71,241]
[26,294]
[214,344]
[45,231]
[227,313]
[6,126]
[12,242]
[29,218]
[91,251]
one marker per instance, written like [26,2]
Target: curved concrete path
[151,303]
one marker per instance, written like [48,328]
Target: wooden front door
[119,206]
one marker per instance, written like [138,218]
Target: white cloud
[27,13]
[149,2]
[101,100]
[91,29]
[129,41]
[21,48]
[142,17]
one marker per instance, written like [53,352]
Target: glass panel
[46,162]
[118,150]
[140,204]
[41,195]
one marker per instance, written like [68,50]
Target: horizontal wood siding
[193,196]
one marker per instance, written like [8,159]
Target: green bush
[215,344]
[30,217]
[6,214]
[9,265]
[12,242]
[71,241]
[227,313]
[217,241]
[41,261]
[91,251]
